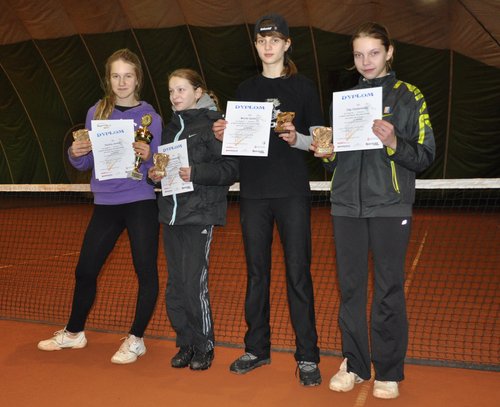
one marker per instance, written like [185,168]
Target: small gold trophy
[142,135]
[282,118]
[323,137]
[160,161]
[81,135]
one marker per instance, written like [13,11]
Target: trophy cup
[281,119]
[81,135]
[160,161]
[323,138]
[142,135]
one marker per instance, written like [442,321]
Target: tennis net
[452,274]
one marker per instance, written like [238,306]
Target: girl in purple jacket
[119,204]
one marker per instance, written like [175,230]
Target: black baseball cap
[276,23]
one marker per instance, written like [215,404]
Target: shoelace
[307,367]
[248,356]
[62,335]
[58,336]
[126,345]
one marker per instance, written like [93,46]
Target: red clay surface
[87,378]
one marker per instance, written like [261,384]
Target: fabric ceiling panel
[483,17]
[52,56]
[95,16]
[72,69]
[415,21]
[164,51]
[429,23]
[43,19]
[226,58]
[154,13]
[20,157]
[475,120]
[43,109]
[11,27]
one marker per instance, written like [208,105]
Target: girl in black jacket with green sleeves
[372,197]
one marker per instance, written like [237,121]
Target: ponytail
[289,68]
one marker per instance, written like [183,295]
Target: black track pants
[387,238]
[188,304]
[292,217]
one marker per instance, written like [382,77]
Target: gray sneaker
[248,362]
[309,374]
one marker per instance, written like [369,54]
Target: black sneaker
[248,362]
[201,360]
[309,374]
[183,357]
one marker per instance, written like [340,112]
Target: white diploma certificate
[112,147]
[172,183]
[353,114]
[248,127]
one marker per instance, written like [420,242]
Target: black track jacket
[381,182]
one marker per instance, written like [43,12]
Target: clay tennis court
[86,378]
[453,306]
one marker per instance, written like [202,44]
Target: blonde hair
[107,103]
[196,81]
[289,68]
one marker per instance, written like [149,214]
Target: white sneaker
[131,348]
[344,380]
[63,339]
[385,390]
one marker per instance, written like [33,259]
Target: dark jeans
[292,217]
[105,227]
[388,240]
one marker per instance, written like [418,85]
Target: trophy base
[134,174]
[159,173]
[324,150]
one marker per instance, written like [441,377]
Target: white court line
[363,394]
[409,276]
[38,260]
[364,389]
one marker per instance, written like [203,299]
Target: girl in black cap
[275,189]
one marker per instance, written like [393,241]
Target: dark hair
[107,103]
[289,68]
[378,31]
[195,79]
